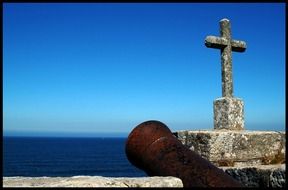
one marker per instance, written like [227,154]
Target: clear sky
[90,69]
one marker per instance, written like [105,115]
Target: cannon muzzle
[152,147]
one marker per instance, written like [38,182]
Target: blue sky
[88,69]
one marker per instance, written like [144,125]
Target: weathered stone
[216,42]
[236,148]
[91,181]
[259,175]
[228,113]
[227,45]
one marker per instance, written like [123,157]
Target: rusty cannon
[152,147]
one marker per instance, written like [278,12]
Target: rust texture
[152,147]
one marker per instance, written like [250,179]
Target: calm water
[48,156]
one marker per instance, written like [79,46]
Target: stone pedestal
[228,113]
[248,156]
[236,148]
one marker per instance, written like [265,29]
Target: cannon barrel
[152,147]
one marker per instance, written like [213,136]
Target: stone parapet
[259,175]
[91,181]
[236,148]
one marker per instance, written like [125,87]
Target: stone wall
[236,148]
[259,176]
[91,181]
[255,158]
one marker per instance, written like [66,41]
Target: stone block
[228,113]
[92,181]
[259,176]
[236,148]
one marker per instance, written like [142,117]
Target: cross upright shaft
[226,45]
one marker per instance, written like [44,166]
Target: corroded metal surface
[153,148]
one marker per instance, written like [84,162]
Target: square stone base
[236,148]
[228,113]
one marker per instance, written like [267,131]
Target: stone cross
[228,110]
[226,45]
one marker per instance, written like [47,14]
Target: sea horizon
[267,127]
[66,156]
[116,137]
[64,134]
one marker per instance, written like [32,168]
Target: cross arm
[238,46]
[219,43]
[215,42]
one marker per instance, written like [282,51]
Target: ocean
[64,157]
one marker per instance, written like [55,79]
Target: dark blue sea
[63,157]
